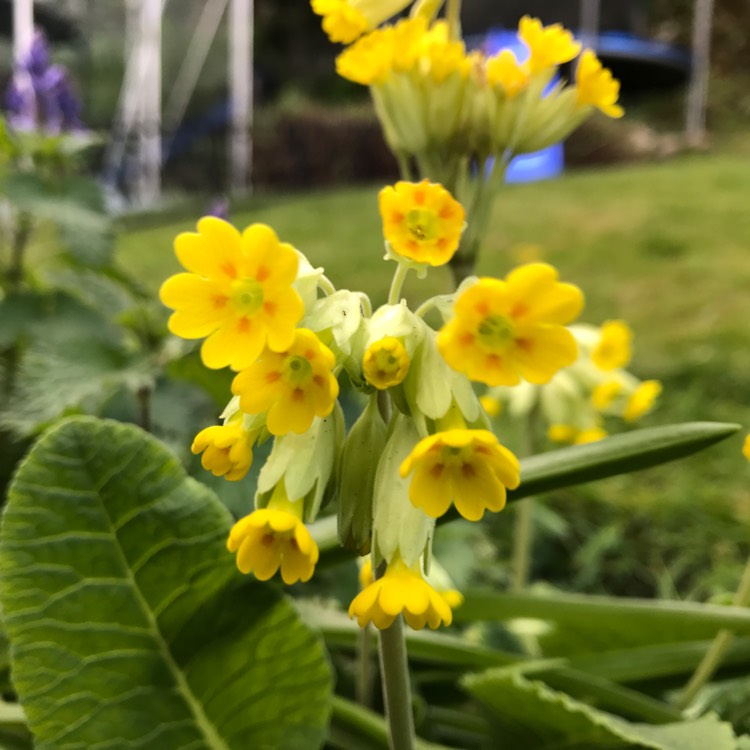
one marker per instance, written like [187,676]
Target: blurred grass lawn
[664,246]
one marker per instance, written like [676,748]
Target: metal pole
[150,120]
[195,58]
[23,28]
[589,22]
[695,116]
[241,86]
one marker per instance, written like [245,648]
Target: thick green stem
[394,670]
[523,540]
[718,648]
[453,15]
[523,536]
[364,667]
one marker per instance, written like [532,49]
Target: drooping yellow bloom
[421,221]
[548,45]
[505,71]
[468,468]
[386,363]
[273,538]
[491,405]
[561,433]
[503,331]
[614,348]
[596,87]
[238,292]
[452,597]
[294,386]
[642,400]
[401,590]
[746,447]
[605,393]
[346,20]
[369,60]
[227,449]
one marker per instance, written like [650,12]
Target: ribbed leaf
[528,714]
[618,454]
[129,624]
[599,622]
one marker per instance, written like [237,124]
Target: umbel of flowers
[422,444]
[458,116]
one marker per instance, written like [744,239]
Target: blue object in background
[541,165]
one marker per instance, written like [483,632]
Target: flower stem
[394,295]
[453,15]
[523,539]
[394,668]
[364,667]
[523,536]
[718,648]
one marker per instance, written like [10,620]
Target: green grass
[664,246]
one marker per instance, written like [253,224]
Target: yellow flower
[468,468]
[505,71]
[641,400]
[561,433]
[614,348]
[346,20]
[452,597]
[605,393]
[491,405]
[386,363]
[401,590]
[273,538]
[227,449]
[421,221]
[503,331]
[294,386]
[596,87]
[369,60]
[548,45]
[746,447]
[238,292]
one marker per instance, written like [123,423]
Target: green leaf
[75,206]
[529,714]
[127,618]
[356,728]
[74,354]
[446,649]
[618,454]
[601,621]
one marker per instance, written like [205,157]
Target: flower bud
[304,462]
[359,461]
[400,530]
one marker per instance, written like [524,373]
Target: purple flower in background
[220,208]
[40,95]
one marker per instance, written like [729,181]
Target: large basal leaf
[527,714]
[129,624]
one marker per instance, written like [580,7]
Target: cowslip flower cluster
[575,403]
[435,100]
[422,444]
